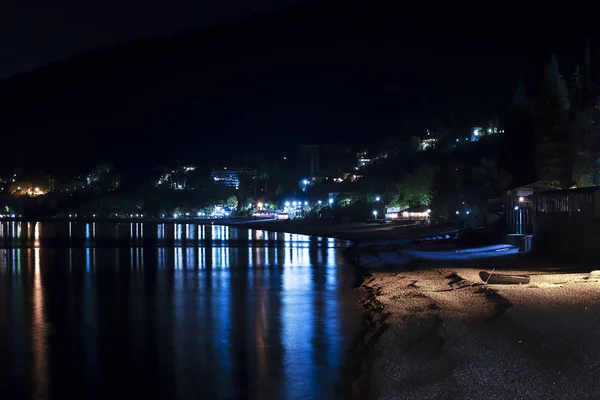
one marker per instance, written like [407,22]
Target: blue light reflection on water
[262,319]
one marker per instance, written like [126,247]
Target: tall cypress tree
[575,90]
[579,154]
[586,77]
[551,128]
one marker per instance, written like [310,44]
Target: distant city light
[306,203]
[320,202]
[457,213]
[521,199]
[305,181]
[375,213]
[287,203]
[294,203]
[516,208]
[330,201]
[377,198]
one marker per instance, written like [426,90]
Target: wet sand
[443,334]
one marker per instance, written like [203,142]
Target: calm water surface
[171,311]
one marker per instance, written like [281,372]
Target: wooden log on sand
[503,279]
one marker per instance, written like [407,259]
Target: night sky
[349,73]
[35,32]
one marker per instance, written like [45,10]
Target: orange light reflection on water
[39,333]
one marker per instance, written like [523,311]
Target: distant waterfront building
[232,177]
[418,213]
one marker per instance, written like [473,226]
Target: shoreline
[358,233]
[358,369]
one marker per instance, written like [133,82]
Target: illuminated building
[419,213]
[26,189]
[479,131]
[232,177]
[429,141]
[476,133]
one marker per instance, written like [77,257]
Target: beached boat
[503,279]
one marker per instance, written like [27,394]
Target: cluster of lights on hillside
[29,191]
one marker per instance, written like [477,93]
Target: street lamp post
[305,183]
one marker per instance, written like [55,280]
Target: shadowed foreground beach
[446,335]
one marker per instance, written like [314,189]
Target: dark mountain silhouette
[326,71]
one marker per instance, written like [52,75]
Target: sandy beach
[445,335]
